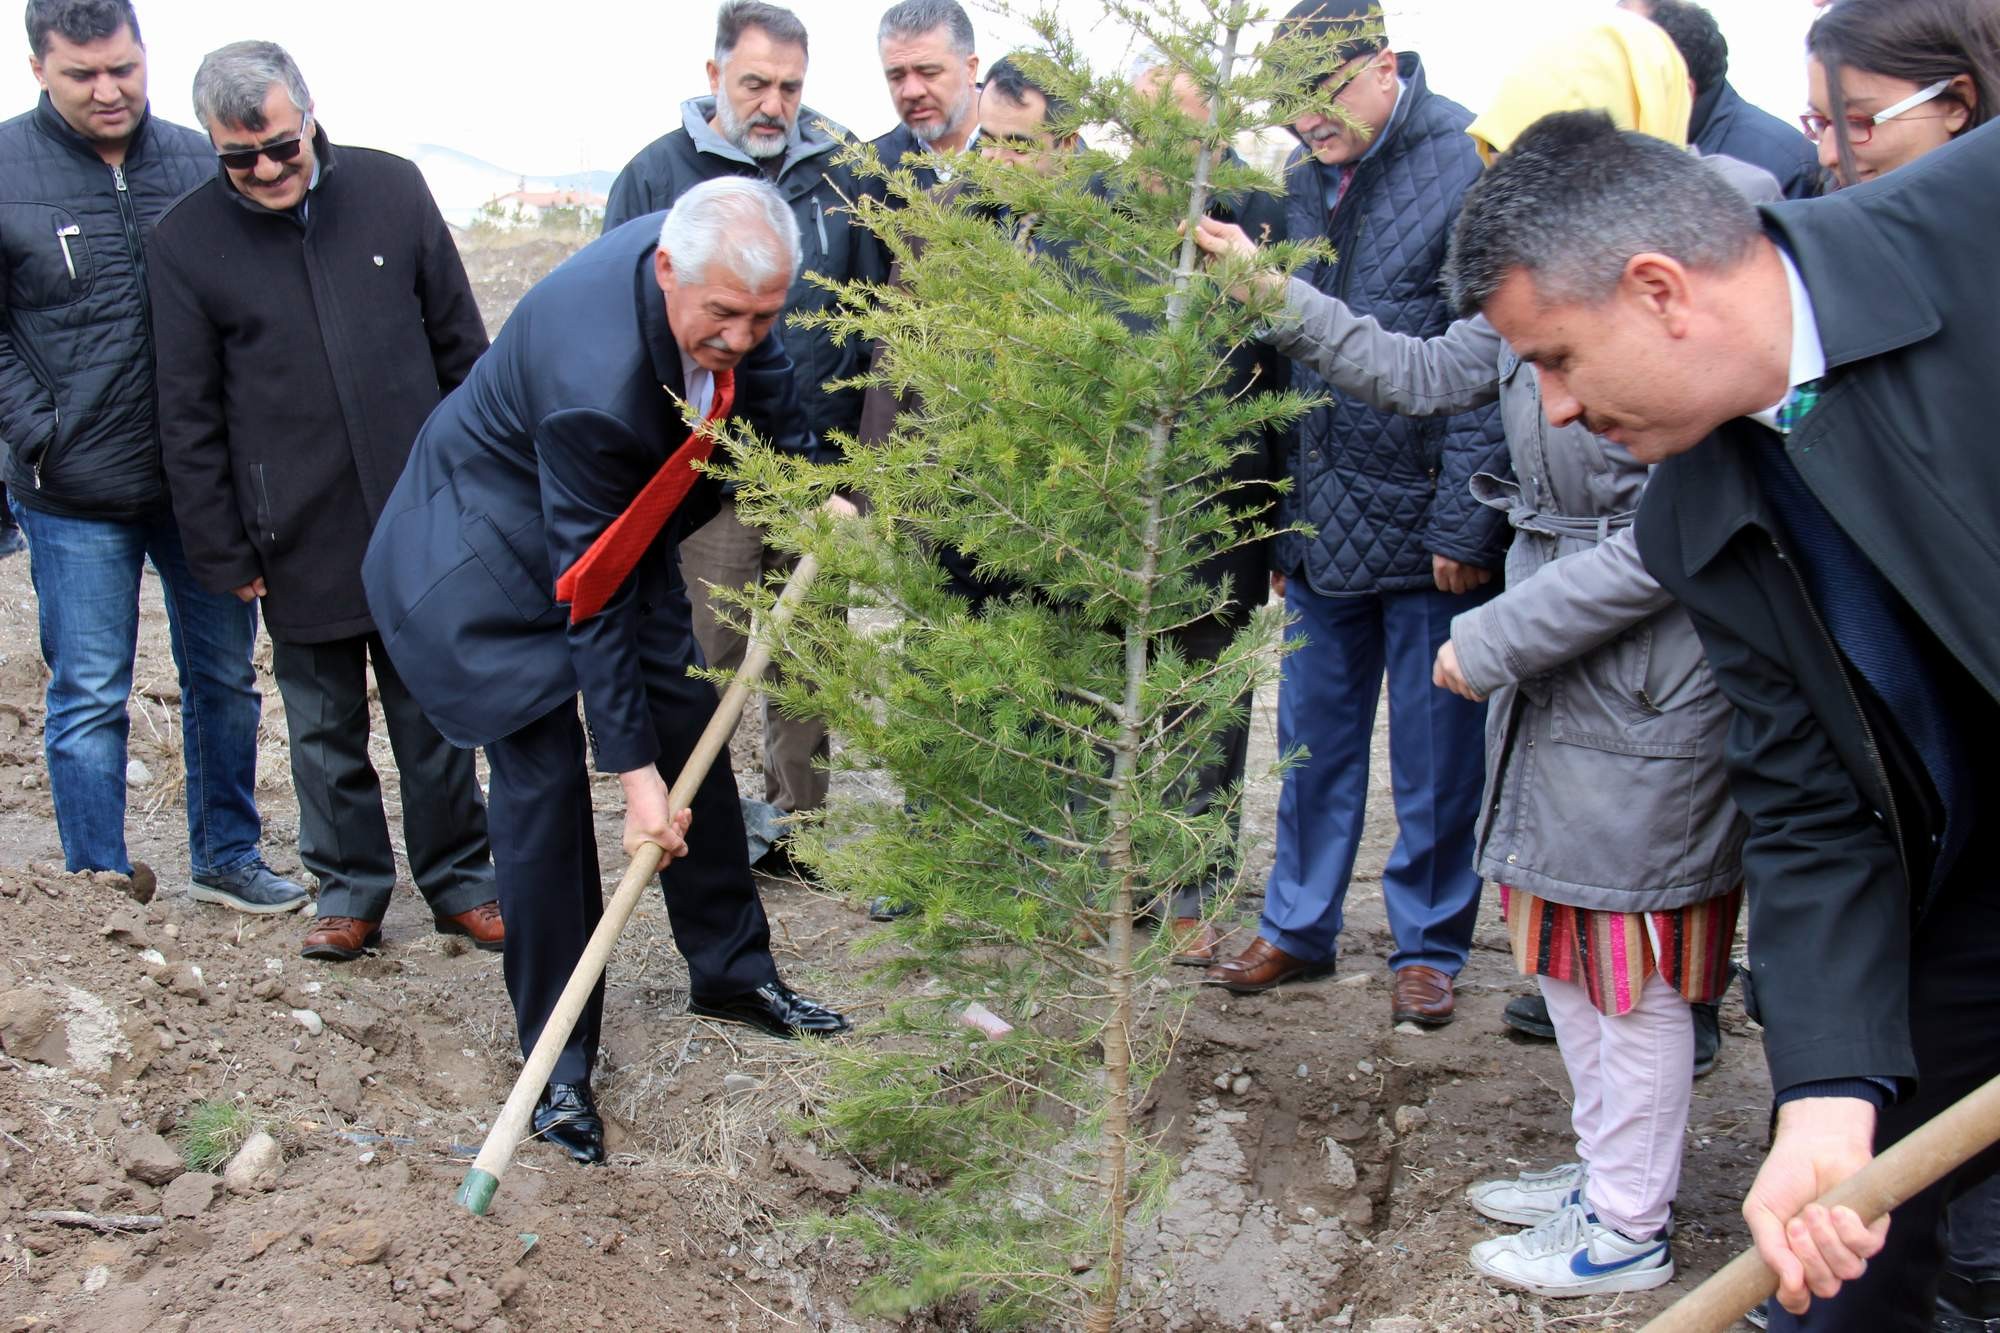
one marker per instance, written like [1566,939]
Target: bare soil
[1327,1196]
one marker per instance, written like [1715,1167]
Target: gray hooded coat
[1605,786]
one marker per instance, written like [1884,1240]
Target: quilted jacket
[1384,492]
[76,343]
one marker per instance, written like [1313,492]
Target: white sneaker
[1574,1254]
[1530,1198]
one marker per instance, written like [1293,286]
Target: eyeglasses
[1860,129]
[284,150]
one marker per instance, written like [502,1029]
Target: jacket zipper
[1867,732]
[130,217]
[819,221]
[37,472]
[265,518]
[62,238]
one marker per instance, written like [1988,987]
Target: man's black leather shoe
[780,864]
[567,1117]
[776,1008]
[1529,1016]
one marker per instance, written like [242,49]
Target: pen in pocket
[62,236]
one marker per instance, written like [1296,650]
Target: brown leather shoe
[340,939]
[481,924]
[1195,942]
[1262,966]
[1421,995]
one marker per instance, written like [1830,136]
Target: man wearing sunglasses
[311,311]
[83,176]
[1400,548]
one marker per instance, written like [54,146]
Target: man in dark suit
[1814,383]
[529,554]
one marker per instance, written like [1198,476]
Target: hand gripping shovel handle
[1908,1167]
[475,1193]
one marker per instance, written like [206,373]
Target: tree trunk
[1115,1152]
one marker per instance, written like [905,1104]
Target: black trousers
[1955,1023]
[551,894]
[1205,641]
[343,833]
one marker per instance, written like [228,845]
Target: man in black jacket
[311,310]
[83,176]
[1817,389]
[1722,123]
[931,65]
[754,123]
[524,488]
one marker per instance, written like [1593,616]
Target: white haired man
[528,555]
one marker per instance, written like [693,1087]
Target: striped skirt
[1611,954]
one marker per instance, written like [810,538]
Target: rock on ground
[148,1158]
[256,1166]
[190,1194]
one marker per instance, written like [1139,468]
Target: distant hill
[461,182]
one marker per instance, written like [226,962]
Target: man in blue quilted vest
[1398,545]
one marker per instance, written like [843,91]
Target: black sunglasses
[284,150]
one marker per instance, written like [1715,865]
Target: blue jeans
[86,573]
[1437,744]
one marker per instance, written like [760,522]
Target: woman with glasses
[1892,79]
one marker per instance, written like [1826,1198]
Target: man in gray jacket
[754,123]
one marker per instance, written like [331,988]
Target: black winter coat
[1900,453]
[1387,492]
[297,361]
[1724,125]
[76,346]
[835,245]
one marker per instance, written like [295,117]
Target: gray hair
[919,18]
[1575,198]
[737,17]
[233,81]
[739,222]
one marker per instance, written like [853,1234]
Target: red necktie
[599,572]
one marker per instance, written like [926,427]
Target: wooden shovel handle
[1911,1165]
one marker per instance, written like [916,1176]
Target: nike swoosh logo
[1580,1264]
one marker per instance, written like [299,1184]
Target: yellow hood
[1619,63]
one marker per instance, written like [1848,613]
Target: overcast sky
[561,85]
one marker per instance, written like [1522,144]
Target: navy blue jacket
[517,472]
[1387,492]
[1725,125]
[76,340]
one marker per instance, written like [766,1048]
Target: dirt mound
[373,1081]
